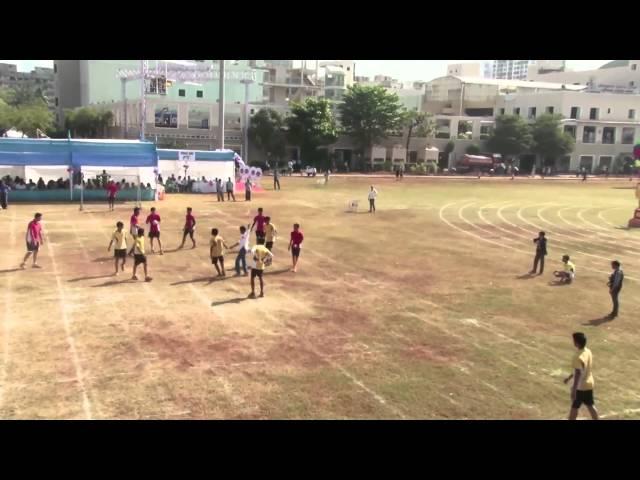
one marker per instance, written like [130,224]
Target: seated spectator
[126,185]
[21,185]
[65,184]
[60,183]
[160,179]
[51,185]
[41,185]
[204,179]
[31,185]
[148,187]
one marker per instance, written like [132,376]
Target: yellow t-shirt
[139,247]
[218,246]
[569,267]
[260,253]
[270,232]
[583,361]
[120,240]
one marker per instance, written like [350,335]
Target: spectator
[51,185]
[60,183]
[31,185]
[41,185]
[21,185]
[160,179]
[4,195]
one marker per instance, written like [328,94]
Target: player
[270,233]
[247,190]
[615,285]
[230,193]
[112,189]
[33,239]
[295,244]
[134,222]
[139,256]
[153,220]
[262,258]
[258,222]
[582,390]
[276,179]
[217,245]
[541,252]
[119,237]
[244,247]
[373,194]
[189,228]
[569,272]
[327,173]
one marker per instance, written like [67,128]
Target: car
[310,171]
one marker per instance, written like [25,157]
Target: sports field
[421,311]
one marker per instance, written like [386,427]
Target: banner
[187,156]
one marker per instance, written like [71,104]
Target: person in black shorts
[119,237]
[582,389]
[189,228]
[139,257]
[295,244]
[541,252]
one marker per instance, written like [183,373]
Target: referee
[541,252]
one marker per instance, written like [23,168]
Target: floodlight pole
[245,133]
[221,101]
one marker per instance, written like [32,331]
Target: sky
[403,70]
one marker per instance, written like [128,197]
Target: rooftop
[518,83]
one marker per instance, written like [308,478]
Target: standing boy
[119,237]
[582,390]
[112,189]
[217,246]
[541,252]
[270,233]
[247,190]
[219,190]
[230,193]
[295,244]
[276,179]
[261,257]
[34,239]
[153,219]
[139,256]
[373,194]
[189,228]
[615,285]
[244,247]
[133,222]
[258,222]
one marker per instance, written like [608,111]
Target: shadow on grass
[95,277]
[231,300]
[114,282]
[208,279]
[358,212]
[558,283]
[526,276]
[598,321]
[11,270]
[102,259]
[277,272]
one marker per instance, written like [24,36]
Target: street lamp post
[245,133]
[221,101]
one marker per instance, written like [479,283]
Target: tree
[23,95]
[30,118]
[266,131]
[25,109]
[88,121]
[6,117]
[473,149]
[511,136]
[311,125]
[421,122]
[549,141]
[369,113]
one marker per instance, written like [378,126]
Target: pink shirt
[34,232]
[134,220]
[189,222]
[259,221]
[154,220]
[296,238]
[112,189]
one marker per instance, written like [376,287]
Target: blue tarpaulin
[98,153]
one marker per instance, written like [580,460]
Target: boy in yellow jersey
[569,272]
[582,390]
[218,245]
[119,237]
[270,233]
[139,256]
[262,257]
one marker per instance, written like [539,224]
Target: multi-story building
[510,69]
[464,69]
[39,79]
[338,76]
[282,83]
[619,75]
[604,125]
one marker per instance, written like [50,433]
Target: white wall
[197,170]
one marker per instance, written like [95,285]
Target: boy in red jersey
[134,222]
[189,228]
[258,222]
[112,189]
[153,219]
[295,244]
[34,240]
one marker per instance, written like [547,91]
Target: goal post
[90,186]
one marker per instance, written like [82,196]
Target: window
[634,66]
[589,135]
[586,161]
[608,135]
[55,68]
[605,161]
[198,117]
[413,156]
[608,110]
[628,135]
[516,111]
[56,101]
[532,112]
[632,84]
[199,93]
[632,114]
[575,112]
[166,117]
[181,92]
[593,114]
[502,111]
[571,130]
[485,131]
[550,110]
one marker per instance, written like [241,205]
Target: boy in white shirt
[373,194]
[244,248]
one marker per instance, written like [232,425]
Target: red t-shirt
[112,189]
[259,221]
[134,220]
[154,220]
[296,238]
[34,230]
[190,222]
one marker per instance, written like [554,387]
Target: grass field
[421,311]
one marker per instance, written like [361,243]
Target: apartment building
[510,69]
[40,78]
[618,76]
[605,126]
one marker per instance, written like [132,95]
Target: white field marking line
[86,404]
[601,217]
[6,327]
[626,411]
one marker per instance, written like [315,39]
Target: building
[519,69]
[282,83]
[604,125]
[464,69]
[545,66]
[620,75]
[39,79]
[338,76]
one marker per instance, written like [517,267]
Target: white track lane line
[6,326]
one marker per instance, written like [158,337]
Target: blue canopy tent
[52,158]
